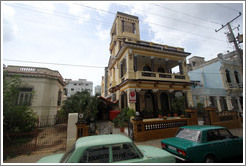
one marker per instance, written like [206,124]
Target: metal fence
[49,133]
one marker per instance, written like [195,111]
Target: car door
[214,144]
[232,145]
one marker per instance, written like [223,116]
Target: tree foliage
[16,118]
[80,102]
[178,104]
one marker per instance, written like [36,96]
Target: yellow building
[140,74]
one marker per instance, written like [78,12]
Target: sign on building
[132,96]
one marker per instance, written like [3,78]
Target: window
[67,155]
[123,68]
[189,134]
[59,98]
[72,89]
[228,78]
[98,154]
[25,96]
[236,77]
[220,134]
[123,152]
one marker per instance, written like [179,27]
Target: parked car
[113,148]
[203,144]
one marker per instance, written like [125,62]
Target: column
[189,98]
[167,66]
[152,64]
[228,102]
[181,68]
[135,63]
[239,105]
[218,103]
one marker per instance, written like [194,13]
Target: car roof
[97,140]
[203,127]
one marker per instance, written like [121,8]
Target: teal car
[203,144]
[113,148]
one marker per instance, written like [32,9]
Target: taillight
[163,145]
[181,152]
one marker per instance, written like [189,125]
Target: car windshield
[67,155]
[189,134]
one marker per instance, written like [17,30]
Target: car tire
[209,159]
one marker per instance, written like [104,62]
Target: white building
[78,86]
[97,90]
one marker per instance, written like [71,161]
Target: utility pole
[239,52]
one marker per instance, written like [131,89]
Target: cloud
[9,28]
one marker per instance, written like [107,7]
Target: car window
[189,134]
[224,134]
[98,154]
[67,155]
[213,135]
[123,152]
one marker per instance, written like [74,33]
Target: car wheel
[209,159]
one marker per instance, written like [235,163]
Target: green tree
[178,105]
[16,118]
[81,102]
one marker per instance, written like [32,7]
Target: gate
[50,134]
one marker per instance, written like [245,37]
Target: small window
[98,154]
[72,89]
[123,152]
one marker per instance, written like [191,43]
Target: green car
[111,148]
[203,144]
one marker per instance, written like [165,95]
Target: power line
[187,14]
[107,24]
[80,65]
[153,23]
[227,7]
[48,63]
[113,14]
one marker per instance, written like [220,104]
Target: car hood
[179,142]
[153,152]
[51,159]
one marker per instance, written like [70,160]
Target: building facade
[41,88]
[77,86]
[140,74]
[218,82]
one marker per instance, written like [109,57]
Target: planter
[169,115]
[159,116]
[122,129]
[164,117]
[175,115]
[182,116]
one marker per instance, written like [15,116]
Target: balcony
[147,75]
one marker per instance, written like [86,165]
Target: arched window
[161,70]
[236,77]
[228,78]
[146,68]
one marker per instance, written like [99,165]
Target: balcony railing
[160,76]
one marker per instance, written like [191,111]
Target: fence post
[36,139]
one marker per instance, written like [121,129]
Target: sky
[73,37]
